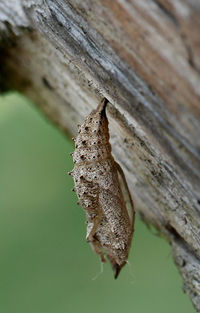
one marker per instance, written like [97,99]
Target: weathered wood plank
[144,57]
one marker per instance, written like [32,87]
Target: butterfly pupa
[102,191]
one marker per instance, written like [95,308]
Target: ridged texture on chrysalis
[102,191]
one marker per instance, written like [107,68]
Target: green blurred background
[46,265]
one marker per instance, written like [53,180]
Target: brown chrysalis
[102,191]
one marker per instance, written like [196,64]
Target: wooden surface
[144,57]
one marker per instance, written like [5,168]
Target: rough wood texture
[144,57]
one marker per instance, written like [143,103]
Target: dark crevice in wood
[167,13]
[47,84]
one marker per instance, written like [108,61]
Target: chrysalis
[102,191]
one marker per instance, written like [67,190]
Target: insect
[102,191]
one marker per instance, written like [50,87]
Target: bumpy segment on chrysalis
[102,190]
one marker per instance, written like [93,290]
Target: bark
[144,57]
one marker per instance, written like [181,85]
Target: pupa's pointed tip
[102,106]
[116,268]
[104,101]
